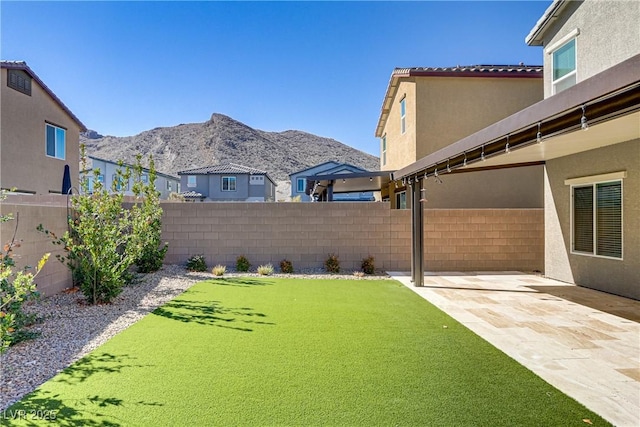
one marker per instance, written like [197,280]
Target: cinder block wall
[484,239]
[55,276]
[305,233]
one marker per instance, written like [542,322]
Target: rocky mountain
[223,139]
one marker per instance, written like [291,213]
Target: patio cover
[357,182]
[607,103]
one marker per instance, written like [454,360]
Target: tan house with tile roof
[39,134]
[426,109]
[586,132]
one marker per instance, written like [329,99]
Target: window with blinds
[597,219]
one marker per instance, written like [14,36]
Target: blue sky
[320,67]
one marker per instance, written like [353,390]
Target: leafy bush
[15,289]
[147,219]
[219,270]
[104,238]
[286,266]
[265,270]
[242,264]
[332,264]
[196,263]
[369,265]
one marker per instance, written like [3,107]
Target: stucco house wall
[202,184]
[165,184]
[241,192]
[24,163]
[304,173]
[450,108]
[618,276]
[442,110]
[401,147]
[608,34]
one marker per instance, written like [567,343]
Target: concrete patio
[584,342]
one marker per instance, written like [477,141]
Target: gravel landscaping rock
[71,329]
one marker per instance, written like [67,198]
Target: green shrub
[196,263]
[369,265]
[242,264]
[15,289]
[219,270]
[265,270]
[147,219]
[332,264]
[286,266]
[104,238]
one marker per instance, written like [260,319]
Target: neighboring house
[227,182]
[165,184]
[587,133]
[40,135]
[426,109]
[299,181]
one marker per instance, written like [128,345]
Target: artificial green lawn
[300,352]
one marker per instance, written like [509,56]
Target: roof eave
[534,38]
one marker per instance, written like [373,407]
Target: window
[55,139]
[384,150]
[91,179]
[403,114]
[169,186]
[597,219]
[20,81]
[228,183]
[401,200]
[564,66]
[120,182]
[191,181]
[144,178]
[301,183]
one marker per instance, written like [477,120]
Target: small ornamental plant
[265,270]
[286,266]
[369,265]
[219,270]
[196,263]
[242,264]
[332,264]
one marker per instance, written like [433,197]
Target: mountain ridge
[223,139]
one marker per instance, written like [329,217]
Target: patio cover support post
[417,235]
[330,192]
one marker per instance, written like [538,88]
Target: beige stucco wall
[451,108]
[609,34]
[443,110]
[24,163]
[401,148]
[498,188]
[615,276]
